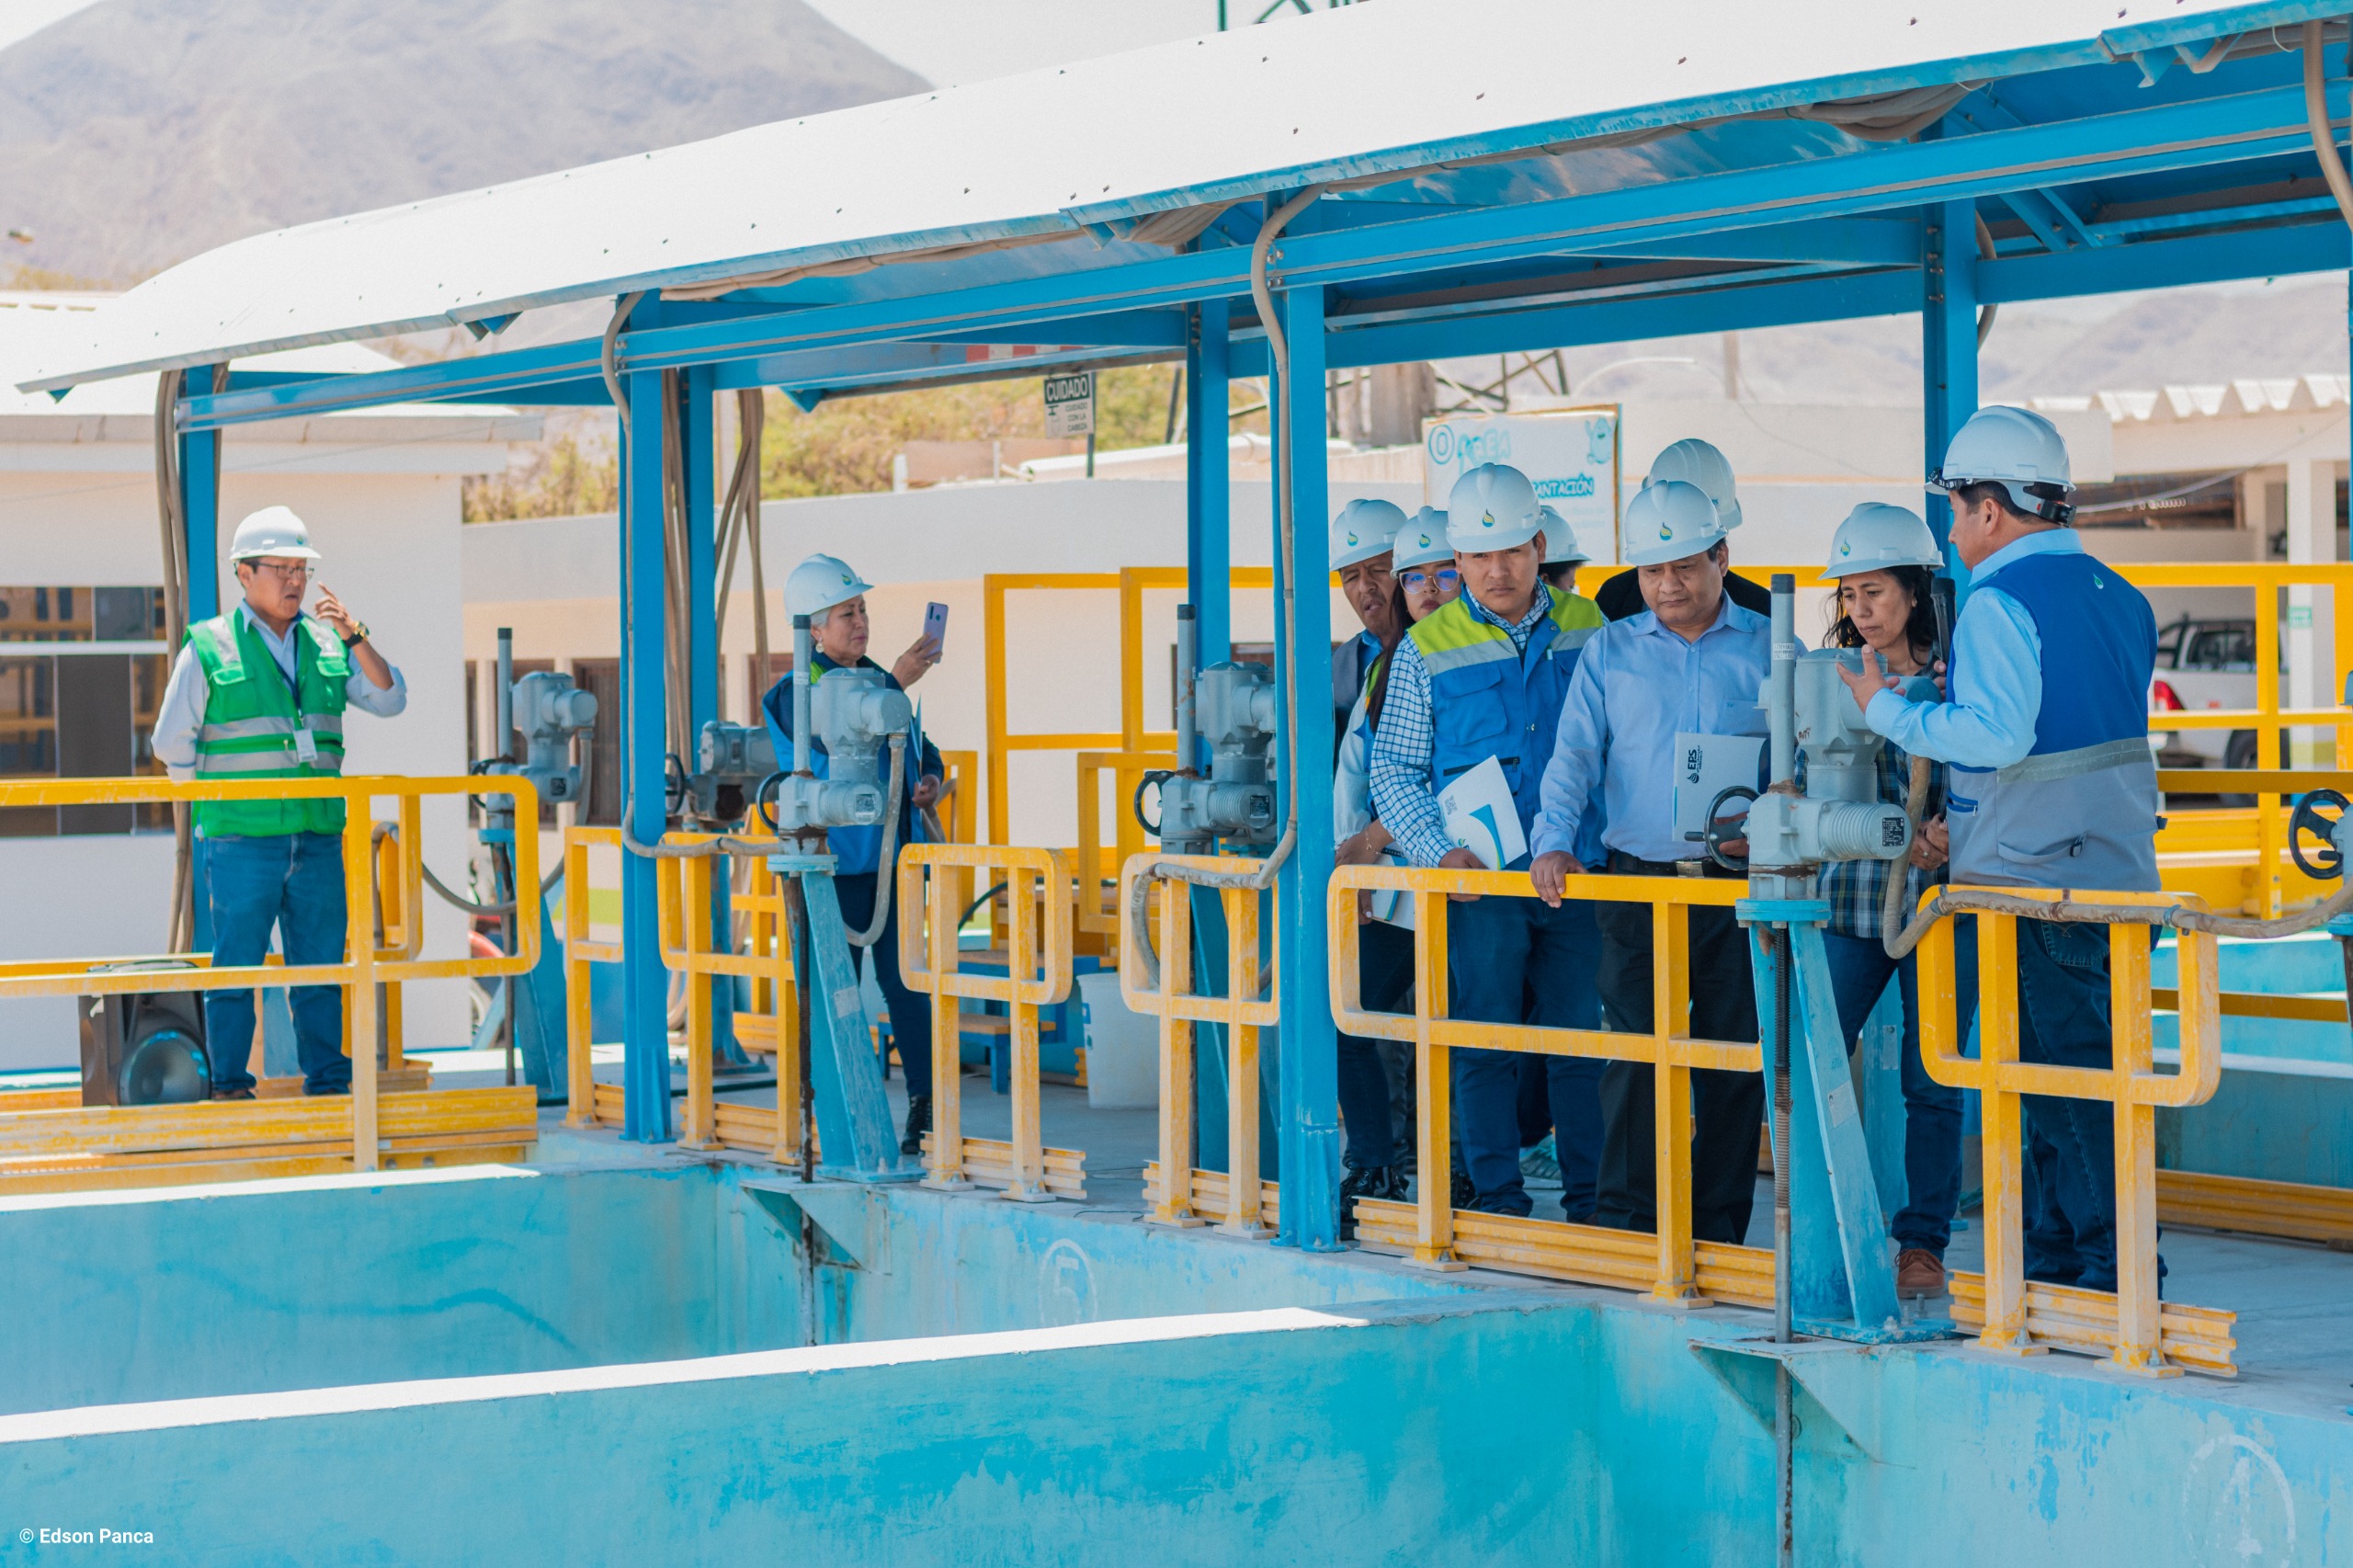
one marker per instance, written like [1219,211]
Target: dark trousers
[1727,1108]
[910,1013]
[2071,1144]
[1386,971]
[1515,960]
[1859,971]
[292,882]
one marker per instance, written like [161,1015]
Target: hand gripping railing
[935,892]
[1669,1266]
[1177,1193]
[2140,1334]
[365,966]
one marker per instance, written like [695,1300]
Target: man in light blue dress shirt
[1692,664]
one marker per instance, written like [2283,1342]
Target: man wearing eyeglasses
[260,693]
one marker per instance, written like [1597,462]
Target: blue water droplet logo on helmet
[1487,520]
[1665,531]
[1352,538]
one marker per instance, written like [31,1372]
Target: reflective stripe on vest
[253,719]
[1489,700]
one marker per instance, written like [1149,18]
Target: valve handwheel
[2329,862]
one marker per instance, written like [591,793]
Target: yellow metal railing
[1668,1266]
[1177,1193]
[366,965]
[1126,769]
[685,930]
[935,888]
[2140,1333]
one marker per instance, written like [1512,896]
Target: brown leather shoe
[233,1093]
[1919,1272]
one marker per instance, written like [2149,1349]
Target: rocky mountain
[138,132]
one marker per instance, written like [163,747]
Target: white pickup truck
[2201,665]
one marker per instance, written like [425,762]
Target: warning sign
[1070,404]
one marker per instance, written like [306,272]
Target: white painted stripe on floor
[266,1187]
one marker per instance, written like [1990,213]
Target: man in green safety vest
[260,693]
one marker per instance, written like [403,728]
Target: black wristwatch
[358,637]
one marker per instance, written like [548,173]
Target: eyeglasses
[1414,579]
[285,572]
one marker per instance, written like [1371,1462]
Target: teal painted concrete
[2272,1117]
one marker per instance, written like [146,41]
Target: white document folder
[1482,817]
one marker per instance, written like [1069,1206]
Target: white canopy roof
[1402,85]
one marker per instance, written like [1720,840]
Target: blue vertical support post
[645,984]
[1308,1123]
[200,548]
[1209,526]
[1948,348]
[697,461]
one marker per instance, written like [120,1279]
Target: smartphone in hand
[934,623]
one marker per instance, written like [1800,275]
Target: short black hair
[2050,494]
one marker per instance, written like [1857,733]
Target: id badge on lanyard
[306,747]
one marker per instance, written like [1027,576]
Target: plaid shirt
[1855,888]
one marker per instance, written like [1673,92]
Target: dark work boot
[918,1123]
[1376,1182]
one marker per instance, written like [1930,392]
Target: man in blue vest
[2047,737]
[260,693]
[1480,680]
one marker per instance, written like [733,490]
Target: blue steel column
[699,460]
[1209,525]
[645,988]
[1948,347]
[1308,1126]
[200,548]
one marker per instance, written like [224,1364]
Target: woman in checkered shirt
[1882,561]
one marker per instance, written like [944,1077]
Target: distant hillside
[138,132]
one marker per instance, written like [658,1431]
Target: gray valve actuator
[549,710]
[855,714]
[1234,708]
[1840,816]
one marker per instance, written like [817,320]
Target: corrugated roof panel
[1343,95]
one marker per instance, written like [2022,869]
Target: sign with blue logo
[1569,455]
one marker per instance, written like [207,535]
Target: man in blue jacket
[833,598]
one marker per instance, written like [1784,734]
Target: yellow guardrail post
[1668,1266]
[1126,769]
[1178,1190]
[363,967]
[2141,1334]
[1038,974]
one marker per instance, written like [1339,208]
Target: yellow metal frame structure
[1668,1266]
[934,885]
[100,1137]
[686,948]
[1126,769]
[1179,1194]
[2140,1333]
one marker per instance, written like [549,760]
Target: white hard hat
[1492,507]
[1364,529]
[2018,450]
[273,530]
[1559,539]
[1877,536]
[820,583]
[1667,520]
[1422,541]
[1694,462]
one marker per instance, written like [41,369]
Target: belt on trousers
[1634,865]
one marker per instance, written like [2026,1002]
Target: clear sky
[946,40]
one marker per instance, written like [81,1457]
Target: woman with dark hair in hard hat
[1881,561]
[833,598]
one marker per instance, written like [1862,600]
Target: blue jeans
[1859,971]
[292,882]
[1515,960]
[1385,973]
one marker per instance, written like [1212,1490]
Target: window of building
[601,678]
[79,693]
